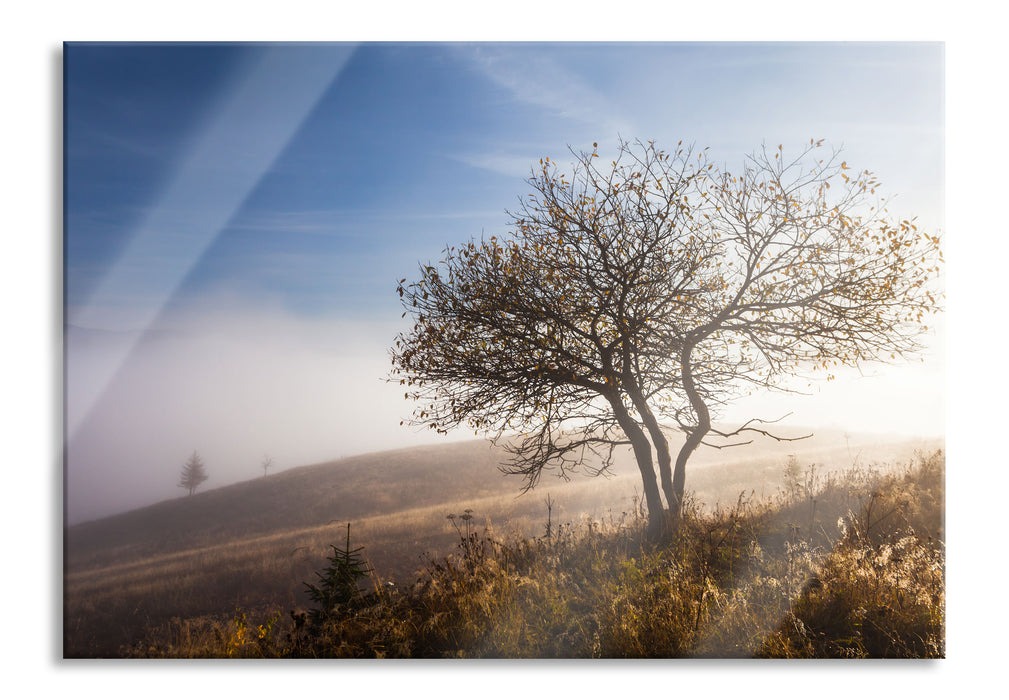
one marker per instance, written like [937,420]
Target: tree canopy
[637,296]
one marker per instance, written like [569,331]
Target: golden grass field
[248,549]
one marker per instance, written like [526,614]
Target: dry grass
[108,605]
[593,587]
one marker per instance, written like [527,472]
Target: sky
[237,217]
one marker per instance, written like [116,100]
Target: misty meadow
[379,351]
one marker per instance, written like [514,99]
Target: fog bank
[234,389]
[240,387]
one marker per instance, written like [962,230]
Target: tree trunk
[643,456]
[659,441]
[694,437]
[656,510]
[663,458]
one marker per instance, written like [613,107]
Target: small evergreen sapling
[337,582]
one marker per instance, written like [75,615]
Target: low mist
[242,387]
[237,390]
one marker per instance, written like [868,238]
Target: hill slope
[346,489]
[383,483]
[252,544]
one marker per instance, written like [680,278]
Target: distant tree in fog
[193,473]
[266,463]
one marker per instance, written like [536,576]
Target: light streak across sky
[235,150]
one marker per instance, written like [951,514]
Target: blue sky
[406,148]
[237,216]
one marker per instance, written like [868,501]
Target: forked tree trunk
[663,458]
[643,455]
[656,510]
[659,441]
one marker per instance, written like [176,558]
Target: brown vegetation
[731,575]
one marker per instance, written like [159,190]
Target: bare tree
[266,463]
[193,473]
[645,294]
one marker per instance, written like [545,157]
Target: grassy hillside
[252,545]
[346,489]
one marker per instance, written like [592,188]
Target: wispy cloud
[574,110]
[536,76]
[507,164]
